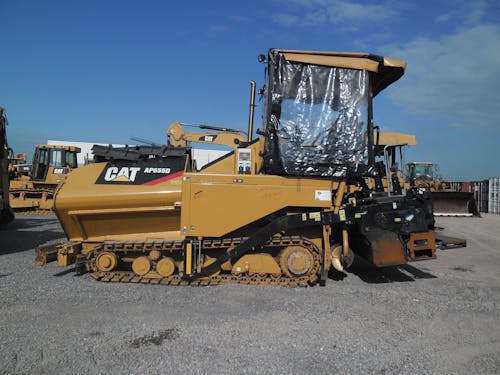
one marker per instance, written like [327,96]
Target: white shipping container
[480,191]
[494,195]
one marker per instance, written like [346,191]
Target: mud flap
[380,247]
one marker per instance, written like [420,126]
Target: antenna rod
[217,128]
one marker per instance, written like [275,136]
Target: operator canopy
[318,110]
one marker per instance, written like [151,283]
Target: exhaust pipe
[251,112]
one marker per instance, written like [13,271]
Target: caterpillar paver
[282,209]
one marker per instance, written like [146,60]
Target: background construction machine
[284,209]
[446,202]
[178,137]
[390,146]
[34,193]
[419,175]
[389,151]
[18,166]
[5,211]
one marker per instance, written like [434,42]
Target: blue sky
[105,71]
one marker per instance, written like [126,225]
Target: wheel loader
[421,175]
[34,192]
[446,202]
[5,211]
[282,209]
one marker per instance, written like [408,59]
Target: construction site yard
[433,317]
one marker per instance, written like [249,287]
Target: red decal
[165,178]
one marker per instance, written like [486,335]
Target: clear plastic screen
[322,121]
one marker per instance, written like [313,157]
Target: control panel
[244,161]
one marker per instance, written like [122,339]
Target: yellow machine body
[148,215]
[218,206]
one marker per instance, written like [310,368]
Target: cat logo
[58,170]
[124,174]
[207,138]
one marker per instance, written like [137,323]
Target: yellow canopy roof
[386,70]
[61,147]
[395,138]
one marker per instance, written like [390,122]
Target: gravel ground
[435,317]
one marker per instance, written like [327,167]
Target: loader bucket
[454,203]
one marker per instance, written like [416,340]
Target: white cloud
[476,10]
[285,19]
[346,12]
[343,13]
[456,77]
[469,12]
[443,17]
[215,29]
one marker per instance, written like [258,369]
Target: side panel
[214,205]
[94,211]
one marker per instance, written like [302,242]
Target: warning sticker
[322,195]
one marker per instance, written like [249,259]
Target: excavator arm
[178,137]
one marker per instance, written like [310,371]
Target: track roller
[106,261]
[141,265]
[165,267]
[296,261]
